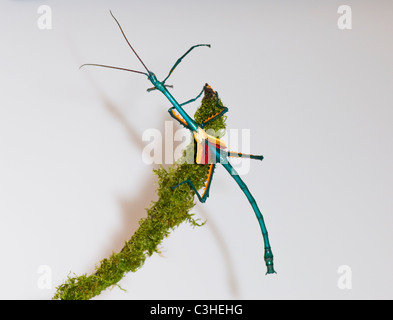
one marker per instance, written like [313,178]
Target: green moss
[170,210]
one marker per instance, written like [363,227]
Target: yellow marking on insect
[199,155]
[209,87]
[211,117]
[232,154]
[209,176]
[201,135]
[177,116]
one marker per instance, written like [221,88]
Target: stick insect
[210,150]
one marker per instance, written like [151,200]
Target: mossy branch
[170,210]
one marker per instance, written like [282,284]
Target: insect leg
[268,256]
[192,100]
[244,155]
[202,198]
[177,117]
[181,58]
[218,114]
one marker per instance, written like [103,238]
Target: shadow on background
[133,207]
[223,249]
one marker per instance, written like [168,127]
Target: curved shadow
[233,286]
[133,207]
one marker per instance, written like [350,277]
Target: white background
[318,103]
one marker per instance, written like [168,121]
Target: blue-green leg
[181,58]
[202,198]
[154,88]
[244,155]
[196,98]
[217,115]
[177,117]
[268,256]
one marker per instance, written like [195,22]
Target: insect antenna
[118,68]
[128,41]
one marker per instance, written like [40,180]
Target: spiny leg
[181,58]
[202,198]
[177,117]
[244,155]
[217,115]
